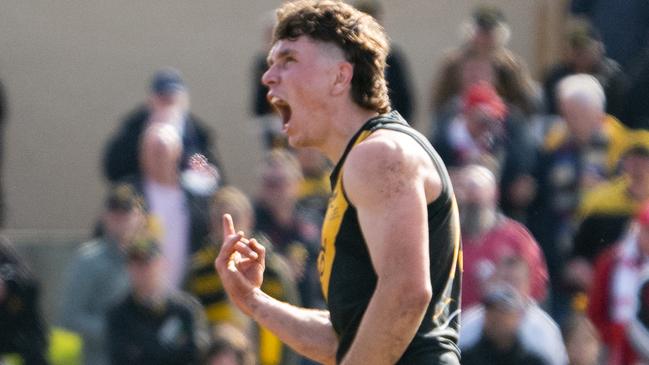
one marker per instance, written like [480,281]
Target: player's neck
[345,123]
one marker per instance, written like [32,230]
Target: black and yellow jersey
[348,278]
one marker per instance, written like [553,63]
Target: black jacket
[121,152]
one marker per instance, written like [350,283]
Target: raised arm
[386,179]
[240,265]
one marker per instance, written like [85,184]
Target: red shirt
[507,238]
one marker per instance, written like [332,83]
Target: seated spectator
[514,272]
[229,347]
[277,216]
[613,294]
[586,54]
[22,330]
[168,102]
[499,343]
[580,151]
[583,343]
[605,212]
[207,287]
[638,327]
[101,264]
[180,210]
[154,325]
[488,236]
[485,133]
[487,34]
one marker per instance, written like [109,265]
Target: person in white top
[535,325]
[182,214]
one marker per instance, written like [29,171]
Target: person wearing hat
[153,325]
[168,102]
[96,277]
[585,53]
[487,132]
[605,212]
[617,276]
[485,38]
[499,344]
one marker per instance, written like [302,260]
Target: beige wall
[72,68]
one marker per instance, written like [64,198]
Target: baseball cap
[503,296]
[167,81]
[143,248]
[123,196]
[484,95]
[488,17]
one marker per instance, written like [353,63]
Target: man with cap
[486,36]
[585,53]
[154,326]
[489,133]
[500,343]
[605,212]
[168,102]
[97,277]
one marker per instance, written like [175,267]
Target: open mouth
[282,108]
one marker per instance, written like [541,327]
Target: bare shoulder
[387,165]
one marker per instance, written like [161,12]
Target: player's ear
[343,78]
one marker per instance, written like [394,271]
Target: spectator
[586,54]
[23,330]
[488,236]
[229,347]
[636,102]
[616,279]
[583,343]
[487,35]
[182,211]
[535,324]
[101,264]
[277,216]
[605,212]
[315,188]
[623,40]
[485,133]
[638,327]
[396,72]
[499,343]
[580,151]
[208,287]
[154,325]
[168,102]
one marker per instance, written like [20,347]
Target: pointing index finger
[228,225]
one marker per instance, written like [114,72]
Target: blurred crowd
[551,177]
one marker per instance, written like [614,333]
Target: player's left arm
[385,179]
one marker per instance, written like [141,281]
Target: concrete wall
[72,68]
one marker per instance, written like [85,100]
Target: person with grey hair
[580,150]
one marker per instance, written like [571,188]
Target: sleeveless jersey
[348,278]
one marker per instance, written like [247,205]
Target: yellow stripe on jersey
[331,226]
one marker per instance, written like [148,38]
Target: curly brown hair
[361,38]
